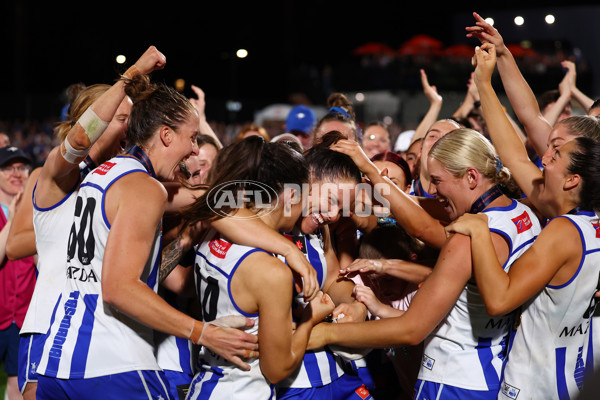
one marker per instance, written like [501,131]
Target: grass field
[2,381]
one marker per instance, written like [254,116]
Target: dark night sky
[48,45]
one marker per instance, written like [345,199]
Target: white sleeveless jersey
[467,349]
[320,366]
[52,226]
[88,338]
[173,353]
[552,350]
[216,262]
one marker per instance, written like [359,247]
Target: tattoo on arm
[171,256]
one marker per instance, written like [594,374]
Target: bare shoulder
[139,186]
[266,266]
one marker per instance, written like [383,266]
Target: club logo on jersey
[298,240]
[219,247]
[363,392]
[427,362]
[596,226]
[510,391]
[104,168]
[522,222]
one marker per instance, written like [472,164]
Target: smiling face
[454,192]
[560,135]
[183,144]
[376,139]
[555,172]
[326,202]
[200,165]
[13,176]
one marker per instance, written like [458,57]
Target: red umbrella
[373,48]
[421,44]
[519,51]
[460,50]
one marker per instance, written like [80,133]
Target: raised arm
[435,106]
[61,169]
[510,148]
[520,95]
[200,103]
[580,97]
[469,103]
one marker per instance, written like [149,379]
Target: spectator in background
[17,278]
[377,139]
[199,165]
[252,129]
[4,140]
[300,122]
[340,117]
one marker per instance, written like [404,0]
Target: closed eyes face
[559,136]
[448,189]
[326,203]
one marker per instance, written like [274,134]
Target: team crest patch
[510,391]
[522,222]
[104,168]
[219,247]
[299,241]
[427,362]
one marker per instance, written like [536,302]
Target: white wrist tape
[71,154]
[92,124]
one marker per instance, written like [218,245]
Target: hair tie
[499,165]
[339,110]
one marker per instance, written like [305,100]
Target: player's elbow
[496,309]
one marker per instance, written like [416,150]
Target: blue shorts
[9,349]
[179,383]
[30,353]
[432,390]
[127,385]
[346,387]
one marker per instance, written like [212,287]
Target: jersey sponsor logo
[61,334]
[427,362]
[596,226]
[522,222]
[219,247]
[499,323]
[104,168]
[510,391]
[363,392]
[574,330]
[81,274]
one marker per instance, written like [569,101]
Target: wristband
[195,336]
[131,72]
[71,154]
